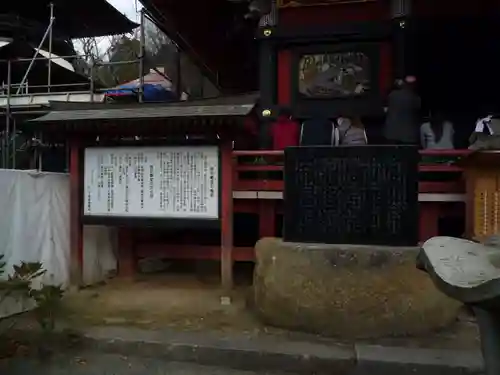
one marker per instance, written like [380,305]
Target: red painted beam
[245,206]
[460,152]
[259,185]
[258,153]
[441,187]
[278,185]
[421,168]
[258,168]
[439,168]
[191,252]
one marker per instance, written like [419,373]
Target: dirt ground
[184,302]
[168,301]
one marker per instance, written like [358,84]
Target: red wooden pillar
[429,220]
[127,260]
[226,195]
[267,218]
[470,178]
[75,213]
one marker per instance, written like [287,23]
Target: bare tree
[98,52]
[160,53]
[154,38]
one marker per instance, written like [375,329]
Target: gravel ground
[107,364]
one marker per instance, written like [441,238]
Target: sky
[130,8]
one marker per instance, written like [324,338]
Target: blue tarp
[153,92]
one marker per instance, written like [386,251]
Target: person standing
[351,131]
[285,131]
[437,134]
[318,130]
[402,122]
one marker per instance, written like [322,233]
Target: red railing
[264,175]
[272,162]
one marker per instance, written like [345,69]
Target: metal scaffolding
[14,95]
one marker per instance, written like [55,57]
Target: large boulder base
[347,291]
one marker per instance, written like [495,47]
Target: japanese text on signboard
[169,182]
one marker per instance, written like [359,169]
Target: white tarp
[34,227]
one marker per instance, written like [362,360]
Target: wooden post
[227,217]
[267,86]
[76,227]
[469,202]
[267,218]
[127,260]
[429,220]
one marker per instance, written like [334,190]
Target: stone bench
[470,273]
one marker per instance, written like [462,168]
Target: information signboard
[180,182]
[363,195]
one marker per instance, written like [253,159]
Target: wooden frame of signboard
[217,121]
[127,257]
[145,221]
[309,3]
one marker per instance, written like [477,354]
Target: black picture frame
[368,104]
[144,221]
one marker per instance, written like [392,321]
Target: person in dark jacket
[402,124]
[317,131]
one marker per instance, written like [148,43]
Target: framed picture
[335,78]
[334,74]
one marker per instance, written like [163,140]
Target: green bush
[21,284]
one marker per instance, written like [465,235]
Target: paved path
[107,364]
